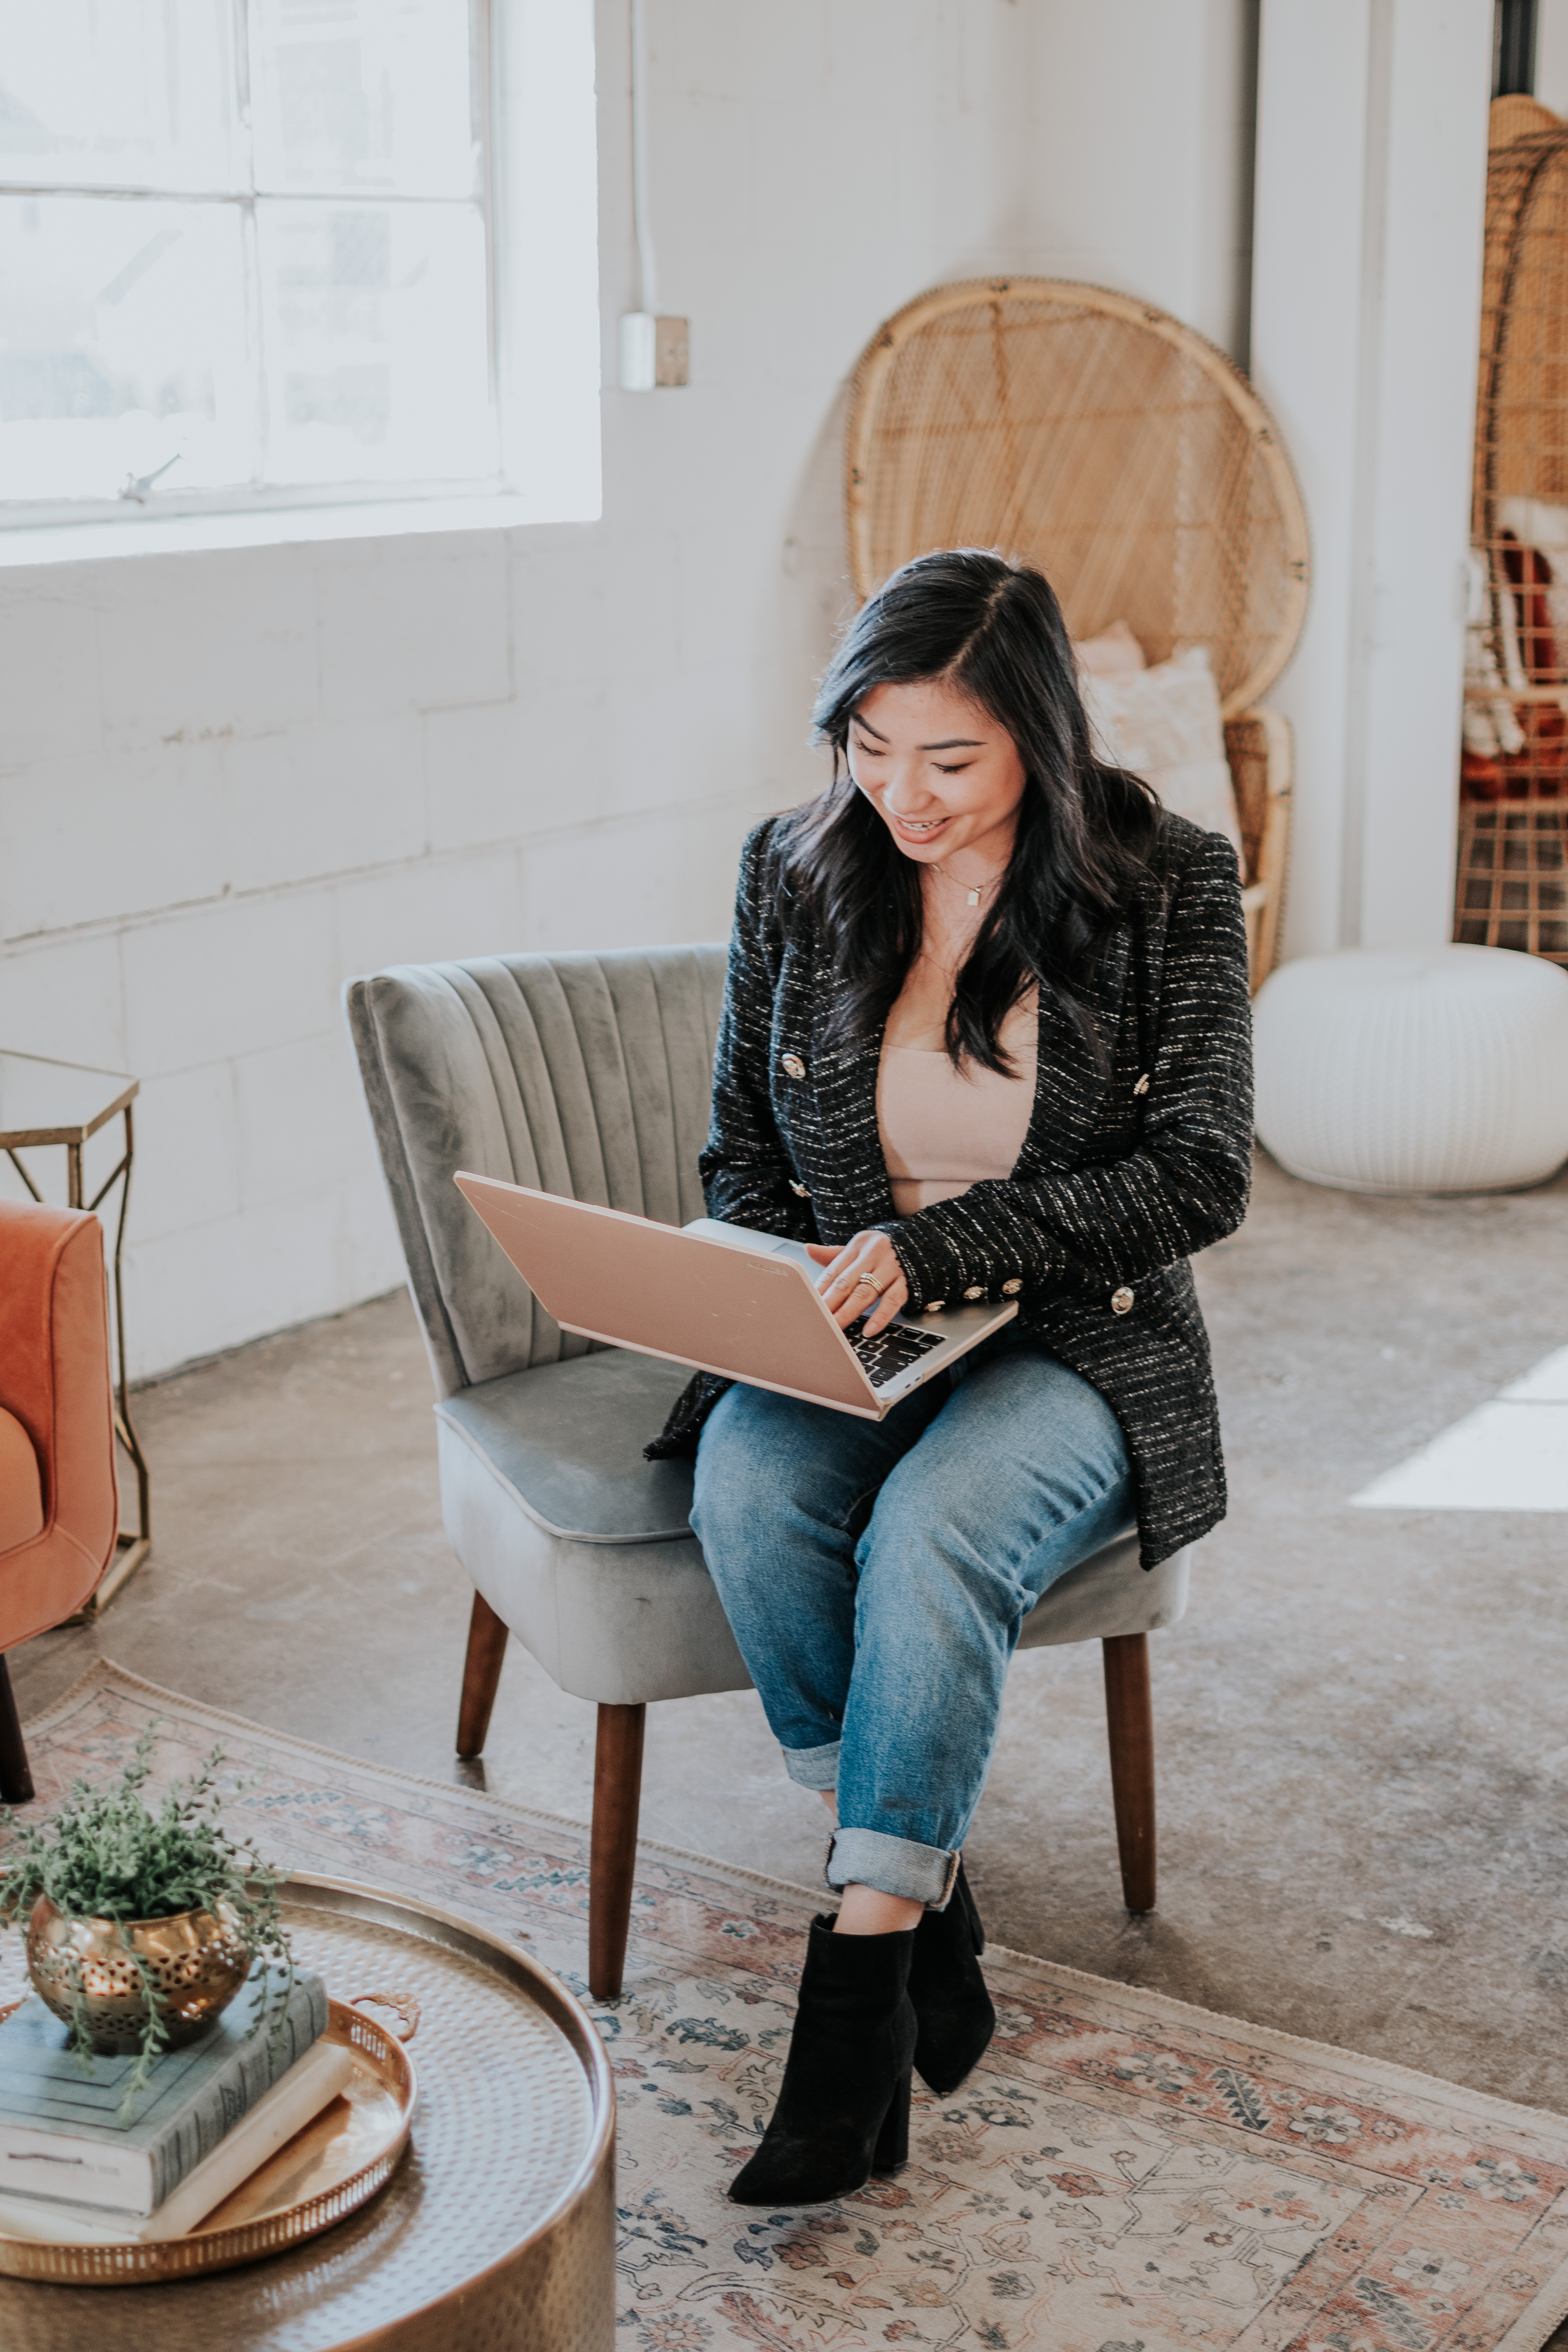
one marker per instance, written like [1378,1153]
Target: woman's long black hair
[991,630]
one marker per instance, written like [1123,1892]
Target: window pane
[122,343]
[355,96]
[376,331]
[137,94]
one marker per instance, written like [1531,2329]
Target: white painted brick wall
[208,646]
[444,907]
[188,1156]
[325,798]
[229,782]
[413,624]
[299,1119]
[228,979]
[65,997]
[490,770]
[95,835]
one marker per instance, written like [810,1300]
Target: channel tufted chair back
[584,1075]
[590,1075]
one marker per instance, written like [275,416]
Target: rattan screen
[1511,887]
[1101,439]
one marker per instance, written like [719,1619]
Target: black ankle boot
[844,2109]
[948,1993]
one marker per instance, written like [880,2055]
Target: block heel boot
[948,1991]
[844,2108]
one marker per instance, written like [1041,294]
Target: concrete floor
[1362,1737]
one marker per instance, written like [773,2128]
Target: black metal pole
[1513,48]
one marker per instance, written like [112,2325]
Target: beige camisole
[944,1130]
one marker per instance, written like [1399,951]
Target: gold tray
[497,2227]
[340,2159]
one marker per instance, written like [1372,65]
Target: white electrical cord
[647,266]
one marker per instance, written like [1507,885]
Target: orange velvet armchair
[60,1503]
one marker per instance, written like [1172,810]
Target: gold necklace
[972,890]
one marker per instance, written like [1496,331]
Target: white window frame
[543,170]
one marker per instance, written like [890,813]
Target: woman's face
[942,775]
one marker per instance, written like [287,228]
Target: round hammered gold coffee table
[497,2228]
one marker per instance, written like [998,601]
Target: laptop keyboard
[893,1350]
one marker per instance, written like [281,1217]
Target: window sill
[145,534]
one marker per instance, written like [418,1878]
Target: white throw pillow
[1490,726]
[1113,654]
[1165,725]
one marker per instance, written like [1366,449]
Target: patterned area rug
[1126,2174]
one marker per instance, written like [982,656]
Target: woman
[985,1035]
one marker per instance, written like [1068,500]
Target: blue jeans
[876,1575]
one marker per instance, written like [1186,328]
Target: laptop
[723,1298]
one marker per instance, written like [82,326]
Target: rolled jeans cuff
[814,1768]
[921,1874]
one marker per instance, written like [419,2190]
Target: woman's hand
[848,1295]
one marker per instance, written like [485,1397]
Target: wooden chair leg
[618,1794]
[481,1673]
[16,1778]
[1130,1721]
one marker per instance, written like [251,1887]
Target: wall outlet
[672,352]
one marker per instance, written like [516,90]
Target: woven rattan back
[1518,117]
[1099,438]
[1521,411]
[1513,890]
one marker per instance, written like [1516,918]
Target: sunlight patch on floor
[1509,1454]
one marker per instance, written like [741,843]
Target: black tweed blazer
[1124,1171]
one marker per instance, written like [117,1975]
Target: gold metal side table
[496,2233]
[44,1103]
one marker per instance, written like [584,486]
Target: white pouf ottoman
[1419,1070]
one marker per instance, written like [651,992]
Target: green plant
[107,1854]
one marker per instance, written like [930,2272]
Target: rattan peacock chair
[1127,457]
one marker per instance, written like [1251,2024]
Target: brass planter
[198,1961]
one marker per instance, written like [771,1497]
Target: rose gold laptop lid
[640,1284]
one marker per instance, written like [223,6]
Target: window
[246,249]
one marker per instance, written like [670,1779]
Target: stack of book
[74,2171]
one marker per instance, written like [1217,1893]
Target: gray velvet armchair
[590,1075]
